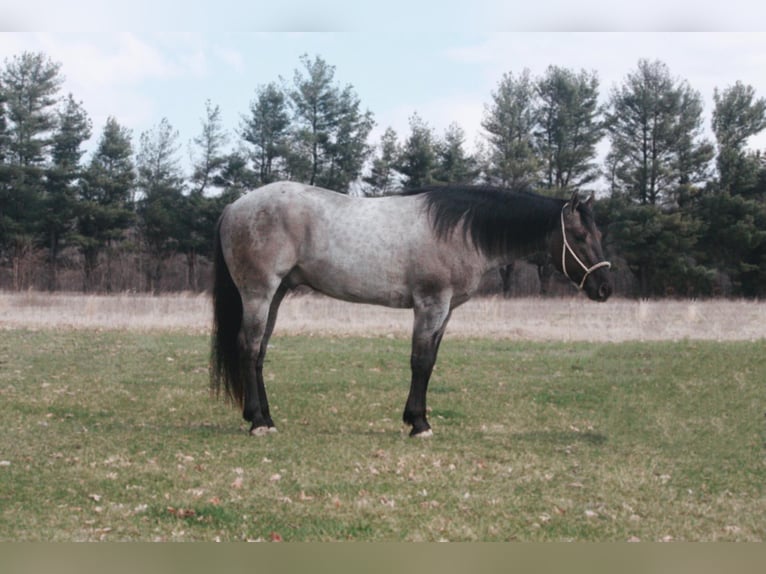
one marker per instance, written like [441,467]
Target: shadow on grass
[560,437]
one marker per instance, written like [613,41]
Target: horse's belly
[367,281]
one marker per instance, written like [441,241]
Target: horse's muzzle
[598,287]
[604,291]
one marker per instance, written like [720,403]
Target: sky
[400,57]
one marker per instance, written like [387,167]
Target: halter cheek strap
[566,247]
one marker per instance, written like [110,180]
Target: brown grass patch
[535,319]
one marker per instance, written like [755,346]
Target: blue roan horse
[426,250]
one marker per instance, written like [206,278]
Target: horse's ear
[590,201]
[574,202]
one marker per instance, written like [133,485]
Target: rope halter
[566,247]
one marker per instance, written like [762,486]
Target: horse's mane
[497,220]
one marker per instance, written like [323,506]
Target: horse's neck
[545,226]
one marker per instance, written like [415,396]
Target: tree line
[681,214]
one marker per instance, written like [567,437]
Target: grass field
[112,435]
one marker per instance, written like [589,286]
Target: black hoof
[420,428]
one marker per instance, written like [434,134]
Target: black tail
[225,370]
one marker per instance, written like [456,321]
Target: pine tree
[737,116]
[734,241]
[417,161]
[62,180]
[329,139]
[453,163]
[199,211]
[30,83]
[569,127]
[210,157]
[105,204]
[266,129]
[160,208]
[654,129]
[658,247]
[509,121]
[384,179]
[694,152]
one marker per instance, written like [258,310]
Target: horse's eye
[580,234]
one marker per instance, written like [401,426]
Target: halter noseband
[566,247]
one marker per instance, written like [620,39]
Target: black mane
[497,220]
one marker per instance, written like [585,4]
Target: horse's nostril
[604,291]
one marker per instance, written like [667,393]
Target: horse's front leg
[430,322]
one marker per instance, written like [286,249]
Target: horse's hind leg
[261,387]
[258,318]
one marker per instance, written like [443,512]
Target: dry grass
[534,319]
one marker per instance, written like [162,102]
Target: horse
[424,250]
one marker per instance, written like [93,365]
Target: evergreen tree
[734,241]
[654,129]
[266,129]
[348,150]
[328,146]
[30,84]
[199,212]
[694,153]
[417,161]
[105,207]
[384,179]
[5,171]
[509,121]
[210,159]
[733,212]
[235,178]
[569,127]
[453,163]
[62,179]
[737,116]
[658,247]
[160,208]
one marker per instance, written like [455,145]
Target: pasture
[111,434]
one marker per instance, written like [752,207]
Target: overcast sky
[442,64]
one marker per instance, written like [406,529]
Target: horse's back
[357,249]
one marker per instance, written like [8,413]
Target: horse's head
[576,250]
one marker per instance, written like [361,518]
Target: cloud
[125,60]
[230,57]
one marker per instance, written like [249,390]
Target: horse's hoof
[428,433]
[262,431]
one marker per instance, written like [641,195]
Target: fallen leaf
[95,497]
[275,477]
[237,482]
[182,512]
[275,537]
[303,497]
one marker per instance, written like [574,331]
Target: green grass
[114,436]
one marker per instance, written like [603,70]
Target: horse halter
[566,247]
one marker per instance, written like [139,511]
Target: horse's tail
[225,369]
